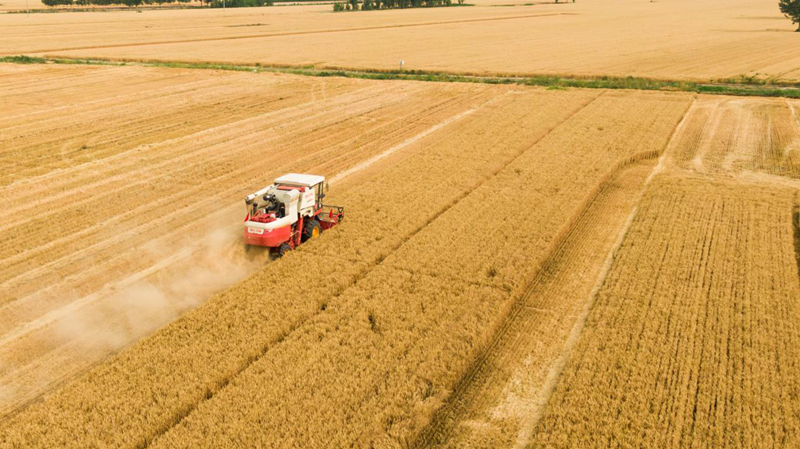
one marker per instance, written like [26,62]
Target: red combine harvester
[289,212]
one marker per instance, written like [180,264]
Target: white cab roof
[296,179]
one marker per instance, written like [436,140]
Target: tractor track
[613,204]
[517,328]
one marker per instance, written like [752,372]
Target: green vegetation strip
[744,86]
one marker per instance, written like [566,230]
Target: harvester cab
[289,212]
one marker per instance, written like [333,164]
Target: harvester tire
[311,229]
[281,250]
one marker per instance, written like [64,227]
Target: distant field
[678,39]
[15,5]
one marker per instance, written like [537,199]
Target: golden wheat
[386,353]
[158,380]
[693,334]
[715,39]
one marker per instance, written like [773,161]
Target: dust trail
[218,261]
[148,300]
[96,325]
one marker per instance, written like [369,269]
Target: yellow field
[106,205]
[518,267]
[693,336]
[368,258]
[675,39]
[664,350]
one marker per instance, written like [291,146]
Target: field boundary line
[300,33]
[556,81]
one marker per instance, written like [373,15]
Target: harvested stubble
[693,339]
[161,378]
[86,182]
[733,135]
[386,353]
[716,39]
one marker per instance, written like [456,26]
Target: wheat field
[714,39]
[673,355]
[519,267]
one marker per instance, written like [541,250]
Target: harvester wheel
[312,229]
[281,250]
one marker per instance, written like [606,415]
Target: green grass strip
[742,86]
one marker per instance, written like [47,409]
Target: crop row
[81,233]
[500,397]
[728,135]
[693,339]
[149,387]
[381,360]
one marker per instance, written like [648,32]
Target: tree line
[371,5]
[791,9]
[133,3]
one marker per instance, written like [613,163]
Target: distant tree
[791,9]
[57,2]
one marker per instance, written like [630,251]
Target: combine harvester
[289,212]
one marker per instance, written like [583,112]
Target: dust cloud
[38,355]
[133,309]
